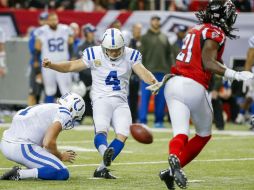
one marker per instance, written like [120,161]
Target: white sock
[101,167]
[102,149]
[29,173]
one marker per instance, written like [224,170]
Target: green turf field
[227,163]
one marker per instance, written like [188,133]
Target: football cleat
[107,157]
[104,173]
[167,176]
[12,174]
[179,175]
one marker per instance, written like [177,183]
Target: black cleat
[168,178]
[179,175]
[12,174]
[104,173]
[107,157]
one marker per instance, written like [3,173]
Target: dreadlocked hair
[204,17]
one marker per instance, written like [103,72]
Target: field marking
[163,130]
[81,149]
[156,162]
[155,140]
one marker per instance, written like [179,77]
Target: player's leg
[180,116]
[202,116]
[159,101]
[49,81]
[32,84]
[64,81]
[121,122]
[145,98]
[102,114]
[40,163]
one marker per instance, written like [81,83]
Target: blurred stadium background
[227,162]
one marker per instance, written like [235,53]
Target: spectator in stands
[180,31]
[2,62]
[113,4]
[76,35]
[2,53]
[126,34]
[134,80]
[156,52]
[214,89]
[243,5]
[139,5]
[180,5]
[250,85]
[88,31]
[84,5]
[35,78]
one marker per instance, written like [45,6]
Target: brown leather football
[141,133]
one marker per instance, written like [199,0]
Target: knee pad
[50,173]
[63,174]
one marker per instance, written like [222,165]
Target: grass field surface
[226,163]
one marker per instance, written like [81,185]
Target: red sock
[192,149]
[177,144]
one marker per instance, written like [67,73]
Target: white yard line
[81,149]
[157,162]
[164,130]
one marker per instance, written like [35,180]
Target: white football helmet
[74,103]
[113,39]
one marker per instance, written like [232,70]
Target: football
[141,133]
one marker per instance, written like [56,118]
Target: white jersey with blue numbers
[54,42]
[30,124]
[110,78]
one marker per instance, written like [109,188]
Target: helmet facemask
[74,103]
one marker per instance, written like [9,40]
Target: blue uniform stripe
[31,159]
[88,54]
[67,123]
[136,57]
[64,108]
[44,157]
[113,37]
[92,53]
[132,55]
[62,111]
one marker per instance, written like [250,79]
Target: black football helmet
[221,13]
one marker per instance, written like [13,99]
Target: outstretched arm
[66,66]
[209,56]
[49,143]
[144,74]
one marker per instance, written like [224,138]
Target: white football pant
[30,155]
[112,111]
[187,99]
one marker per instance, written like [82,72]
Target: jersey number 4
[187,44]
[113,80]
[56,44]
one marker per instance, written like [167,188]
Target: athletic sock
[118,146]
[192,149]
[242,111]
[101,166]
[100,142]
[49,99]
[177,144]
[29,173]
